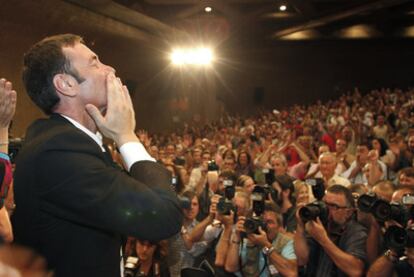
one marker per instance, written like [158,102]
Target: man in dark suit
[73,204]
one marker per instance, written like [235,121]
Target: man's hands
[316,230]
[259,239]
[8,98]
[118,122]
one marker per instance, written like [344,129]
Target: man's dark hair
[338,189]
[41,63]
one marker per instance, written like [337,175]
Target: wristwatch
[268,250]
[391,256]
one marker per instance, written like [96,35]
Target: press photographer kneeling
[328,240]
[257,248]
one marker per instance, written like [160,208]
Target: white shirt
[131,152]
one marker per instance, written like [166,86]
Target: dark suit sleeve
[79,186]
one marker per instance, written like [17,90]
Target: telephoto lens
[398,238]
[370,203]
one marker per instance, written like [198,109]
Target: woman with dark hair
[244,164]
[385,154]
[151,258]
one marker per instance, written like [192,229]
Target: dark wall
[243,79]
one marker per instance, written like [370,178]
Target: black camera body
[370,203]
[384,211]
[252,224]
[131,266]
[225,205]
[212,166]
[314,210]
[398,238]
[318,187]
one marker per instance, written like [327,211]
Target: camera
[225,205]
[252,224]
[212,166]
[398,238]
[370,203]
[131,266]
[313,210]
[269,176]
[318,187]
[269,190]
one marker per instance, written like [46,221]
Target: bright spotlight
[208,9]
[196,56]
[282,8]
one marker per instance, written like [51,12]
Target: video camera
[317,208]
[252,224]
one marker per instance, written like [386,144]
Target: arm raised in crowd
[233,259]
[223,244]
[8,99]
[197,233]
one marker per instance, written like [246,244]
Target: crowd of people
[359,144]
[325,189]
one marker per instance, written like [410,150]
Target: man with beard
[337,247]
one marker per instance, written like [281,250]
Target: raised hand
[118,123]
[8,98]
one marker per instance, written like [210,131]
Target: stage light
[282,8]
[195,56]
[208,9]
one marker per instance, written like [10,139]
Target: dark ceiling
[261,20]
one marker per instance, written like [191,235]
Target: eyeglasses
[334,206]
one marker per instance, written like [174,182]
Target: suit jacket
[73,205]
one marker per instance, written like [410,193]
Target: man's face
[362,153]
[406,180]
[327,165]
[340,146]
[269,218]
[337,206]
[86,63]
[145,250]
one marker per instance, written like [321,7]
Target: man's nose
[110,69]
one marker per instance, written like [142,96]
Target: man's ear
[64,84]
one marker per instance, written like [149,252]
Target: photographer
[337,246]
[262,253]
[148,259]
[390,263]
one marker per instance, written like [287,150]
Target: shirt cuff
[4,156]
[133,152]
